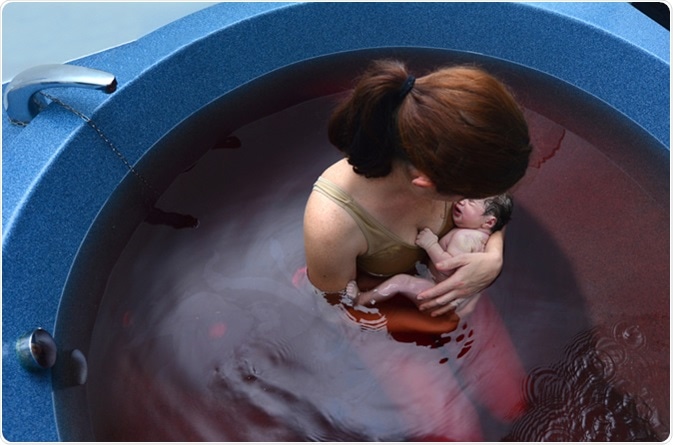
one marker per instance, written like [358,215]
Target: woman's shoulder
[328,223]
[323,216]
[332,242]
[339,173]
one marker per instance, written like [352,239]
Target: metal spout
[21,100]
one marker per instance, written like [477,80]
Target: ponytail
[459,125]
[364,126]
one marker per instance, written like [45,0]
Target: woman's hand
[474,272]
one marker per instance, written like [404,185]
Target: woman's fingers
[449,288]
[444,309]
[442,303]
[471,274]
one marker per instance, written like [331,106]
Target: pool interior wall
[149,77]
[549,272]
[211,127]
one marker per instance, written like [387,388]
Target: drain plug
[36,350]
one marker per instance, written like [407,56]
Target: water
[212,333]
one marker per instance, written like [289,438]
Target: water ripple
[594,393]
[629,335]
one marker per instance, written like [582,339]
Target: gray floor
[35,33]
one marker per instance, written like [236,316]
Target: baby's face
[469,213]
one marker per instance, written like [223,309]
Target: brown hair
[459,125]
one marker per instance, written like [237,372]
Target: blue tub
[71,201]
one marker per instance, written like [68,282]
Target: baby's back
[457,242]
[467,241]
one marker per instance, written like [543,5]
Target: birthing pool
[216,317]
[209,332]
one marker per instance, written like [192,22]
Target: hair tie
[406,87]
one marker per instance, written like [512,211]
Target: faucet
[22,101]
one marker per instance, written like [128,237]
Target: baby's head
[488,214]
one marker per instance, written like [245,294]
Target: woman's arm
[473,273]
[332,242]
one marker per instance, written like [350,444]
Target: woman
[412,147]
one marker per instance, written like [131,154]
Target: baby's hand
[426,238]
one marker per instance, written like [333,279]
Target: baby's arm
[429,241]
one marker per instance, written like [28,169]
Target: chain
[112,146]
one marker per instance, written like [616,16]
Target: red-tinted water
[211,333]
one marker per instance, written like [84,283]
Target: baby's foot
[352,290]
[367,298]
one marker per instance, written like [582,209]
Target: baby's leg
[407,285]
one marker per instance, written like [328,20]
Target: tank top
[386,254]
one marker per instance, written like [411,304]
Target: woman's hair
[459,126]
